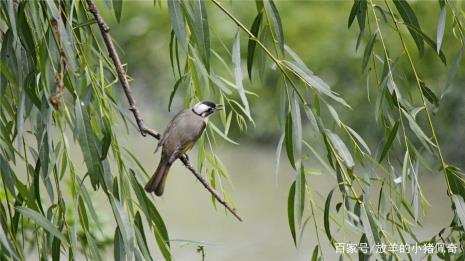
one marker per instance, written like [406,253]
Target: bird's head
[205,108]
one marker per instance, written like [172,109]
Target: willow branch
[59,78]
[144,130]
[104,29]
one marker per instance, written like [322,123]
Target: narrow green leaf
[279,148]
[43,222]
[153,217]
[315,253]
[107,135]
[390,139]
[222,83]
[459,207]
[124,225]
[296,127]
[177,22]
[430,42]
[290,212]
[140,236]
[92,246]
[180,82]
[172,51]
[313,81]
[299,203]
[200,30]
[326,217]
[289,139]
[429,94]
[368,51]
[7,174]
[456,180]
[236,59]
[55,249]
[84,194]
[417,129]
[119,250]
[409,17]
[369,226]
[6,243]
[275,23]
[361,15]
[363,256]
[252,42]
[118,8]
[8,74]
[359,139]
[341,149]
[334,114]
[405,171]
[450,75]
[30,89]
[222,135]
[86,141]
[24,30]
[440,29]
[311,119]
[353,12]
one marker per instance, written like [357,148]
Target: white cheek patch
[200,108]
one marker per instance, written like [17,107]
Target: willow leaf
[326,217]
[118,8]
[341,149]
[368,51]
[43,222]
[289,140]
[177,22]
[236,59]
[253,42]
[409,17]
[275,23]
[440,28]
[390,139]
[290,212]
[201,30]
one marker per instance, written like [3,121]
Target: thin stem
[391,75]
[277,61]
[417,78]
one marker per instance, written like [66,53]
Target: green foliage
[56,81]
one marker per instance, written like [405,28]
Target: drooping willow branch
[144,130]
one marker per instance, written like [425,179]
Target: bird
[179,136]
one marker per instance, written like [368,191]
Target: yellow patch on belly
[188,147]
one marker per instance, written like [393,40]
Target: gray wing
[164,137]
[185,131]
[186,143]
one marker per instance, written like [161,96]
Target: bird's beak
[218,107]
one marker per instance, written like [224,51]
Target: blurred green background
[318,32]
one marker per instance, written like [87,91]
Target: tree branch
[60,76]
[104,29]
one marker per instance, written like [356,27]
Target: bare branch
[187,164]
[104,29]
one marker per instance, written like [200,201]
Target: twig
[185,161]
[104,29]
[59,78]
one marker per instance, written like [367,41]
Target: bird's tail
[157,181]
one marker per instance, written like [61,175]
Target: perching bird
[179,136]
